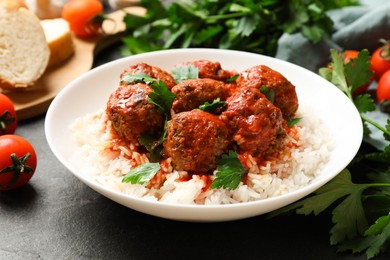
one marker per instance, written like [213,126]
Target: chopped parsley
[293,121]
[268,93]
[212,107]
[232,78]
[230,172]
[142,173]
[182,73]
[161,97]
[138,78]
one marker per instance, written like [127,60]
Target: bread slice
[24,52]
[59,39]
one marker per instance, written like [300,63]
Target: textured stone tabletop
[56,216]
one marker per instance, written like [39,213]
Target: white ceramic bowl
[90,92]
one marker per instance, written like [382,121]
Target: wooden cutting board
[36,100]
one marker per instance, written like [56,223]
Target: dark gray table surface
[56,216]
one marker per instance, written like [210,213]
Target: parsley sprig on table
[247,25]
[359,197]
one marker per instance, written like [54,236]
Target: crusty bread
[59,39]
[24,52]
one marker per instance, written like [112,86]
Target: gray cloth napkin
[356,28]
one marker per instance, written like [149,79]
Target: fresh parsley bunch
[247,25]
[359,197]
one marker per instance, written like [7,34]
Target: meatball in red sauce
[152,71]
[209,69]
[192,93]
[195,141]
[285,96]
[255,124]
[131,114]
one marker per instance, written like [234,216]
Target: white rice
[107,163]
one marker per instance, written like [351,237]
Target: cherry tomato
[383,88]
[380,61]
[18,161]
[83,16]
[348,56]
[8,118]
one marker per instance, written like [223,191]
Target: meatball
[131,114]
[192,93]
[255,124]
[152,71]
[285,96]
[195,141]
[209,69]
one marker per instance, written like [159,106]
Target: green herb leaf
[386,134]
[217,103]
[268,93]
[294,121]
[338,76]
[348,216]
[161,97]
[152,144]
[357,71]
[364,103]
[185,72]
[138,78]
[380,231]
[233,78]
[375,240]
[230,172]
[142,173]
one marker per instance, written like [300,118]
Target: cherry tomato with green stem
[18,161]
[8,117]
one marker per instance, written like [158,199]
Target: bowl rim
[312,186]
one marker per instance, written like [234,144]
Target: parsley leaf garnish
[161,97]
[230,172]
[181,73]
[138,78]
[232,78]
[212,107]
[152,144]
[142,173]
[268,93]
[293,121]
